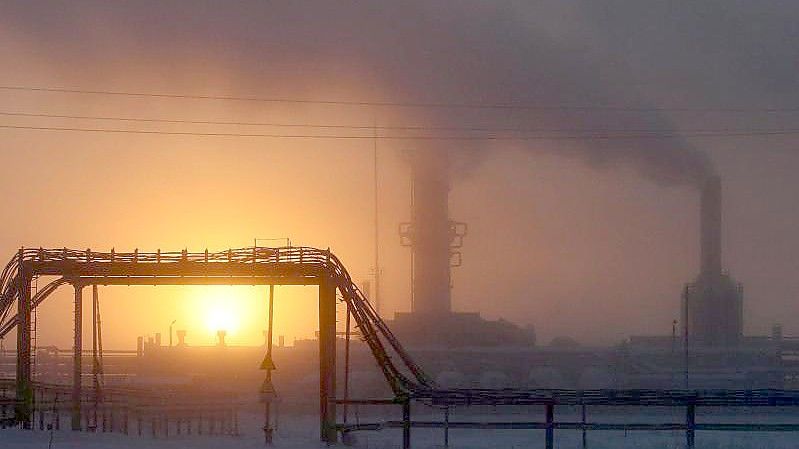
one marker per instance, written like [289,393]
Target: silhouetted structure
[432,236]
[248,266]
[434,240]
[712,305]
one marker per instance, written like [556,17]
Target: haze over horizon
[555,225]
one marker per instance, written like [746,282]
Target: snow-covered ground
[301,432]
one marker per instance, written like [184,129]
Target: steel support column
[550,430]
[690,424]
[24,388]
[585,436]
[327,361]
[95,352]
[406,424]
[77,350]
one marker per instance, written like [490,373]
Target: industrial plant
[420,224]
[468,360]
[706,350]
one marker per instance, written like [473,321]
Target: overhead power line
[364,103]
[628,136]
[374,127]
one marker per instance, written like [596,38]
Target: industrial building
[709,351]
[712,350]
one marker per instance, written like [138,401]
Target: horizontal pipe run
[199,280]
[366,401]
[664,398]
[570,426]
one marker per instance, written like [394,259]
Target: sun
[221,308]
[242,312]
[222,316]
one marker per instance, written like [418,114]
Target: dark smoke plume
[541,53]
[675,165]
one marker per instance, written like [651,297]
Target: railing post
[550,430]
[690,424]
[446,426]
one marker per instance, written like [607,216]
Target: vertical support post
[550,430]
[268,389]
[24,386]
[57,412]
[327,360]
[685,343]
[125,417]
[406,423]
[446,426]
[585,436]
[268,422]
[690,422]
[95,359]
[77,349]
[375,299]
[41,412]
[347,365]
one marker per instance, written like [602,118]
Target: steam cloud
[547,53]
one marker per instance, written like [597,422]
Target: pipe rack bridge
[310,266]
[246,266]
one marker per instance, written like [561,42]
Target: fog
[588,237]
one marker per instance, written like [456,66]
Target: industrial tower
[712,304]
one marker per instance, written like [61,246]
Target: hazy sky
[593,239]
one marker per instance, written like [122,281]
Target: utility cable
[425,137]
[364,103]
[372,127]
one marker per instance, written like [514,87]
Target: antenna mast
[376,297]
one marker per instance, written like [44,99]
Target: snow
[300,431]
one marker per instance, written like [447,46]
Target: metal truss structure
[246,266]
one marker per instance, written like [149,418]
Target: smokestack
[711,227]
[713,308]
[431,233]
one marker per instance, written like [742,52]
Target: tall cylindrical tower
[431,233]
[711,227]
[713,313]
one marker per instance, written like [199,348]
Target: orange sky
[551,241]
[598,253]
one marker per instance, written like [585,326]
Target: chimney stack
[431,234]
[711,227]
[713,313]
